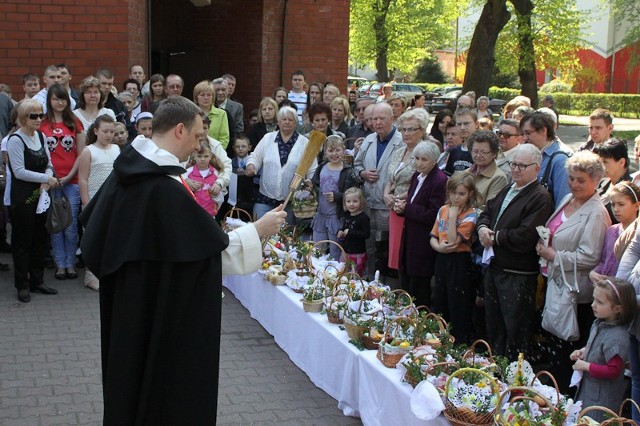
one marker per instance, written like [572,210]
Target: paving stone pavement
[50,365]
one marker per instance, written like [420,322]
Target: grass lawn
[628,135]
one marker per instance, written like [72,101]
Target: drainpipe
[613,56]
[284,27]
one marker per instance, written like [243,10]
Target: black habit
[157,254]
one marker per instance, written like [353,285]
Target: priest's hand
[270,223]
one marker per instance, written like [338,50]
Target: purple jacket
[417,258]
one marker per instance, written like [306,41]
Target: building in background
[260,42]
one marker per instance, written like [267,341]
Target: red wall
[84,34]
[241,37]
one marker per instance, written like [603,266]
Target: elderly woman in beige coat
[578,227]
[412,125]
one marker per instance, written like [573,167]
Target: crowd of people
[455,214]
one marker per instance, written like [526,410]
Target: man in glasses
[507,227]
[509,138]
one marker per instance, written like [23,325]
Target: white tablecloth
[359,382]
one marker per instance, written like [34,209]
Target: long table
[359,382]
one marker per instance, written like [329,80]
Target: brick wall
[241,37]
[85,34]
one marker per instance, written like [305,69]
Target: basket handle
[498,415]
[314,244]
[472,350]
[494,383]
[399,321]
[336,293]
[631,401]
[239,212]
[553,380]
[442,324]
[606,410]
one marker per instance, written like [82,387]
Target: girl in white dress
[94,167]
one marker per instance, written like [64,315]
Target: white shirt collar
[149,150]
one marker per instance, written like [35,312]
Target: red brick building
[260,42]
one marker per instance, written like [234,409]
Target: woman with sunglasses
[65,138]
[32,173]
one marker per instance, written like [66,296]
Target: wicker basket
[276,279]
[449,367]
[470,355]
[368,341]
[613,420]
[314,306]
[356,332]
[315,244]
[391,355]
[524,394]
[335,315]
[467,417]
[235,213]
[402,304]
[305,209]
[442,329]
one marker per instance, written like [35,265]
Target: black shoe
[60,274]
[4,267]
[42,288]
[72,275]
[24,296]
[5,247]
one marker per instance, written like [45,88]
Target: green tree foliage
[430,71]
[557,35]
[630,11]
[397,34]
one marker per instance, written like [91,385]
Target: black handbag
[59,215]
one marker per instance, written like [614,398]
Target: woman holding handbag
[31,173]
[65,138]
[577,230]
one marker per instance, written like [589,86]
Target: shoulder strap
[547,172]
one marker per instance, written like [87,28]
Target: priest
[160,259]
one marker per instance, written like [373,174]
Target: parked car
[446,101]
[364,90]
[450,101]
[408,90]
[439,91]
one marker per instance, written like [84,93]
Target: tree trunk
[481,56]
[381,8]
[526,53]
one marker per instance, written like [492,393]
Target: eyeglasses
[519,166]
[36,115]
[505,135]
[475,153]
[408,129]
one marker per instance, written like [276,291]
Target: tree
[430,71]
[481,54]
[397,34]
[629,11]
[542,34]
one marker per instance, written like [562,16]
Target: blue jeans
[634,356]
[65,243]
[260,210]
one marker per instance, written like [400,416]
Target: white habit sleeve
[244,254]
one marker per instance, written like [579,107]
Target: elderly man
[509,138]
[507,227]
[160,278]
[234,109]
[464,102]
[174,85]
[371,164]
